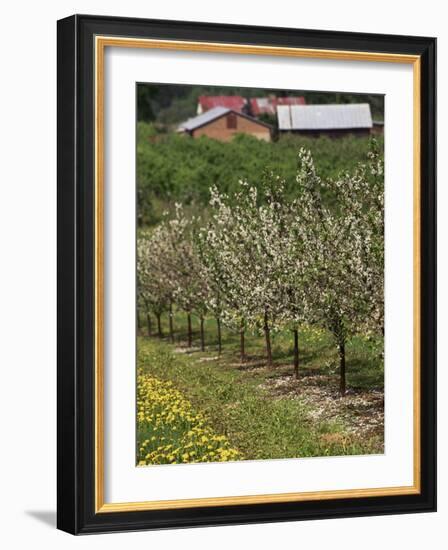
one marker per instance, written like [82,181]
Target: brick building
[222,124]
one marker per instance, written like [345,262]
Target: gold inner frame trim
[101,42]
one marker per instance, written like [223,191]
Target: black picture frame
[76,255]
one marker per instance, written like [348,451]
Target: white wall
[28,272]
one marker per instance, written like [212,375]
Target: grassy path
[318,352]
[235,405]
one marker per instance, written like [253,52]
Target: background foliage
[170,104]
[171,168]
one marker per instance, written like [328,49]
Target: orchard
[260,261]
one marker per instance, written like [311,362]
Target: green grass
[318,353]
[236,402]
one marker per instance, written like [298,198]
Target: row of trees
[264,262]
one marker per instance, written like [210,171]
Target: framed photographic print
[246,274]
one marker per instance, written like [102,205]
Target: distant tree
[183,269]
[145,111]
[212,277]
[152,291]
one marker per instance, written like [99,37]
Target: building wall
[331,133]
[218,129]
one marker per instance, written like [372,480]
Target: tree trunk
[148,323]
[242,343]
[190,337]
[218,326]
[267,336]
[159,325]
[202,334]
[170,314]
[342,385]
[296,353]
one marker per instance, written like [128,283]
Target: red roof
[234,102]
[268,105]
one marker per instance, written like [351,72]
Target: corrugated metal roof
[202,119]
[324,117]
[284,117]
[235,102]
[289,100]
[268,105]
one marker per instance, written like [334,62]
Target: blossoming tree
[244,258]
[343,240]
[152,289]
